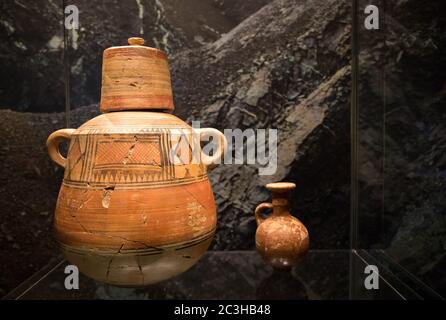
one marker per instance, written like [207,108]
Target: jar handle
[262,207]
[222,145]
[53,143]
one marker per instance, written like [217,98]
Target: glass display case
[354,88]
[398,211]
[233,275]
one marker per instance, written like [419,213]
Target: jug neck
[280,203]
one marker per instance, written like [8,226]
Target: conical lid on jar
[135,77]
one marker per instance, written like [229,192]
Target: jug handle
[53,143]
[222,146]
[262,207]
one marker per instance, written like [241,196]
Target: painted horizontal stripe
[142,252]
[134,185]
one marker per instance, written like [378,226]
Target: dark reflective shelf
[323,274]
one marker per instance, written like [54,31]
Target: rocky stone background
[281,64]
[32,50]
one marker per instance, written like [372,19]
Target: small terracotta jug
[281,239]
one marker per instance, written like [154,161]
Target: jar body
[126,214]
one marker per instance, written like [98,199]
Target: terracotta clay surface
[135,77]
[281,239]
[128,212]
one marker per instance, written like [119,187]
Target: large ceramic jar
[133,209]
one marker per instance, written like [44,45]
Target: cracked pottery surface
[127,214]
